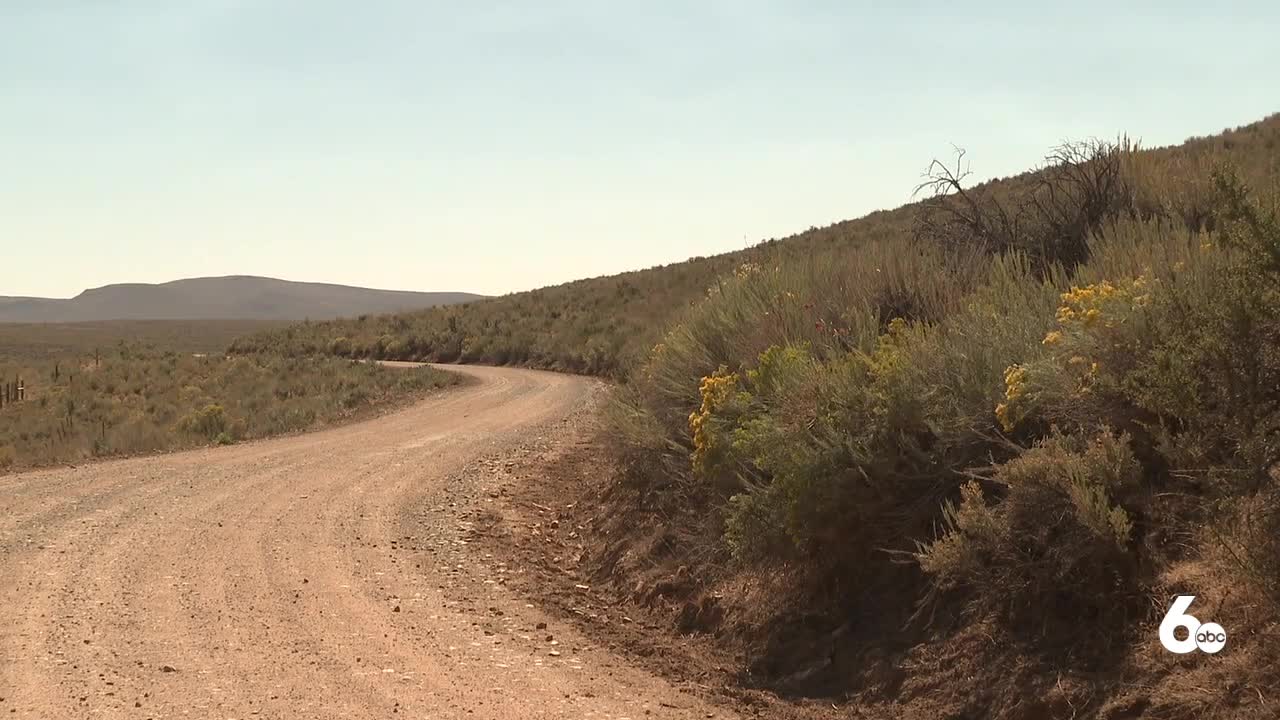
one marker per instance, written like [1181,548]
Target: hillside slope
[606,325]
[232,297]
[951,460]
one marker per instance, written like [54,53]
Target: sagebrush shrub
[207,422]
[1049,530]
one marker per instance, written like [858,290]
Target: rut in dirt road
[317,576]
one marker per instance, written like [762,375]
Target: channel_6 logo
[1209,637]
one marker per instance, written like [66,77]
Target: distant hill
[233,297]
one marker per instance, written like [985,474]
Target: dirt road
[319,576]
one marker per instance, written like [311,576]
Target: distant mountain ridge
[239,297]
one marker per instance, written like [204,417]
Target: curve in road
[324,575]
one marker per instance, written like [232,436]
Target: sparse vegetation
[598,326]
[22,342]
[133,398]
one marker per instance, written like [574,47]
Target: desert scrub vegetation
[598,326]
[132,398]
[24,342]
[606,326]
[1029,423]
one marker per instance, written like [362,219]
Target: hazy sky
[493,147]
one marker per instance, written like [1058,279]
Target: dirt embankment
[624,568]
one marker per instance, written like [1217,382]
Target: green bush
[840,438]
[207,422]
[1182,357]
[1052,534]
[1182,351]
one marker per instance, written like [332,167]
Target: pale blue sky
[493,147]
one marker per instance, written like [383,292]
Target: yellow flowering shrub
[1015,387]
[1106,301]
[716,390]
[1090,328]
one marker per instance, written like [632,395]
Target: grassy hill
[607,325]
[234,297]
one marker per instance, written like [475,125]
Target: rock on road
[293,578]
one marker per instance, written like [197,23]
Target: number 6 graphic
[1177,617]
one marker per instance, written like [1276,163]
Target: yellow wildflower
[1002,414]
[1014,388]
[1013,376]
[715,389]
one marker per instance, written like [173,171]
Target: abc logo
[1207,637]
